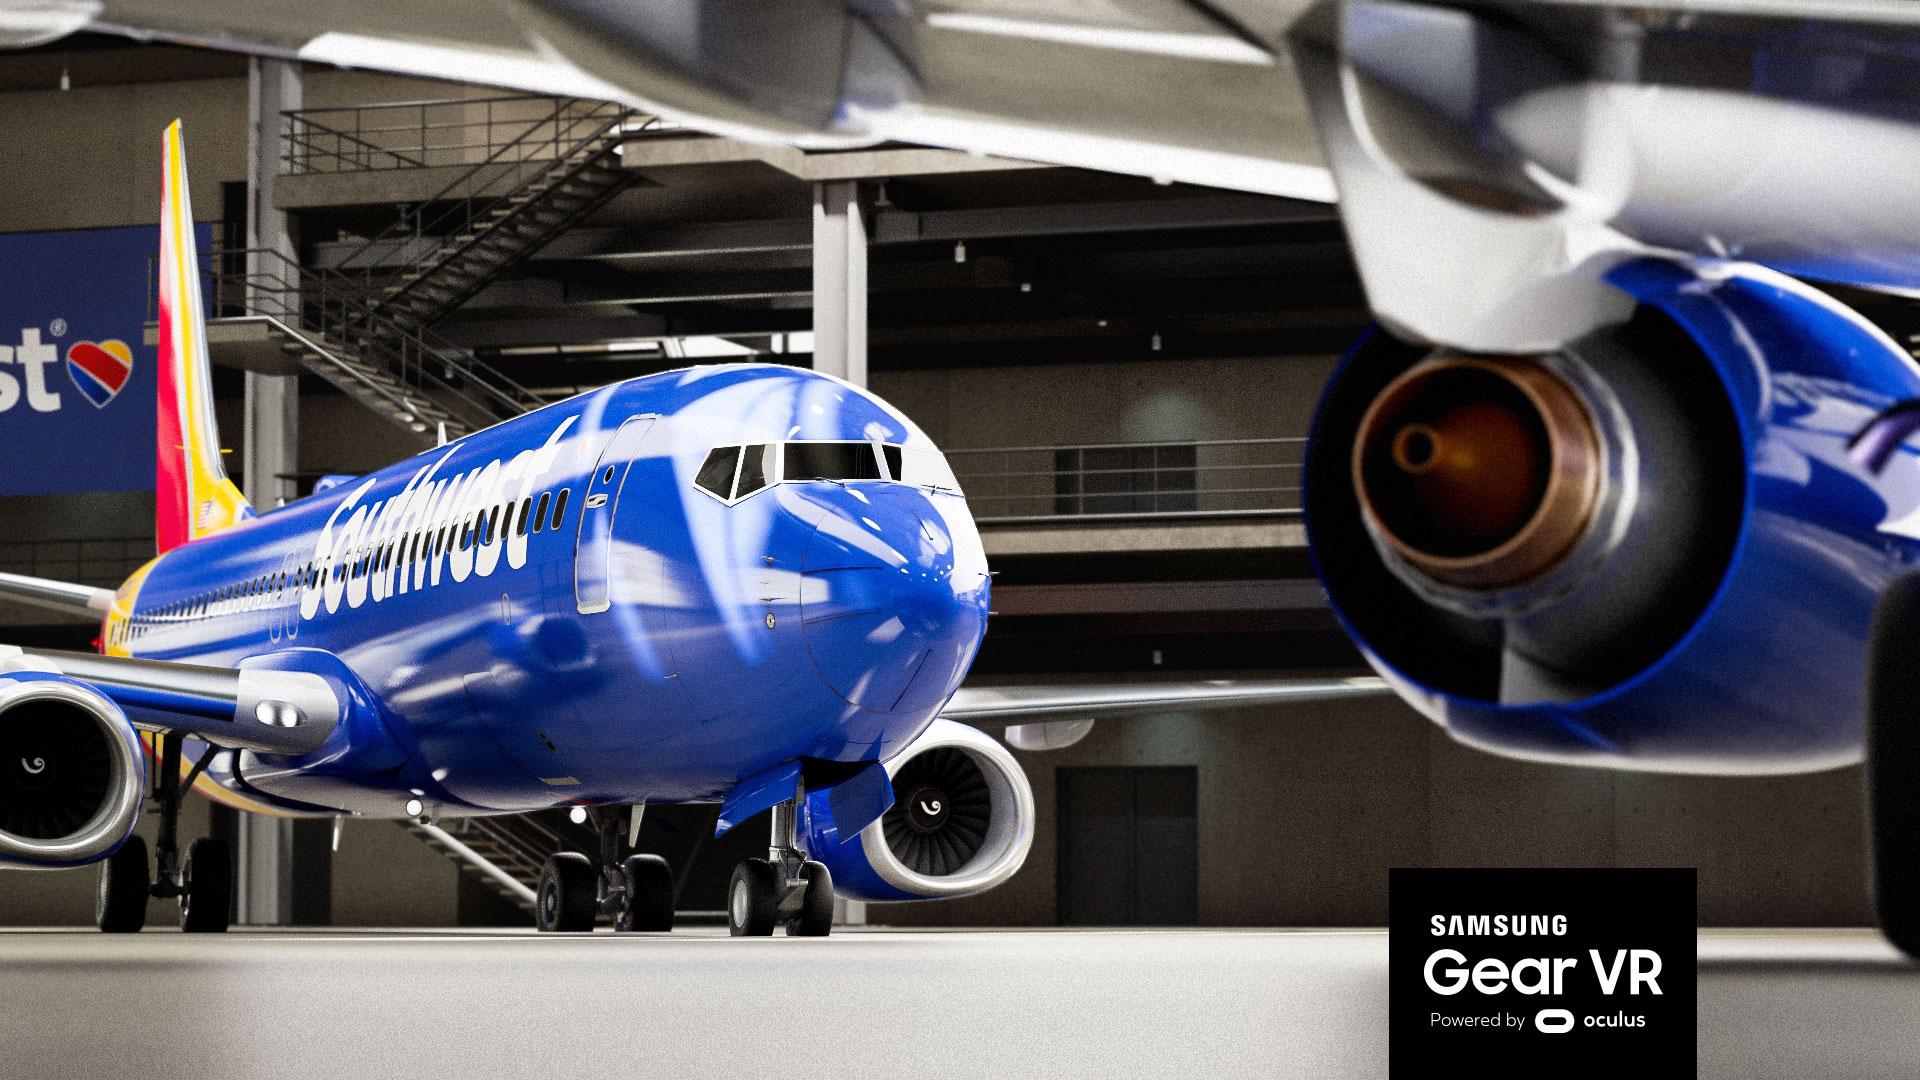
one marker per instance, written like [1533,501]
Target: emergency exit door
[593,550]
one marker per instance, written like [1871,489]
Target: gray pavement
[914,1005]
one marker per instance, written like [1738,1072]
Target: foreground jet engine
[1659,547]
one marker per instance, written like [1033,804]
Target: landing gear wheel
[124,884]
[649,904]
[568,897]
[206,887]
[753,898]
[1893,762]
[816,907]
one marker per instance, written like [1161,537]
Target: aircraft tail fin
[193,496]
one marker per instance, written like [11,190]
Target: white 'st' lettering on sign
[31,358]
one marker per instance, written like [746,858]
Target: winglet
[193,496]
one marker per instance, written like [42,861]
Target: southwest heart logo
[99,369]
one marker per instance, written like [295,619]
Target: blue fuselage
[560,609]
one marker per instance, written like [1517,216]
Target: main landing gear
[635,892]
[785,885]
[203,882]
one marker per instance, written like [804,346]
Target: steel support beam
[263,875]
[272,433]
[269,443]
[840,281]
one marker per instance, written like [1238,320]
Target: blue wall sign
[76,379]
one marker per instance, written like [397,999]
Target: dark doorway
[1129,846]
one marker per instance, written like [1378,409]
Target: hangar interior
[1122,371]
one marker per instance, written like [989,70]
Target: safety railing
[430,134]
[1131,480]
[509,170]
[100,563]
[335,313]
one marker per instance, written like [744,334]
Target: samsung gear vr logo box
[1572,972]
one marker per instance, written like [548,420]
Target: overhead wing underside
[1197,92]
[1203,92]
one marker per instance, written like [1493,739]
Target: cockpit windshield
[734,472]
[831,461]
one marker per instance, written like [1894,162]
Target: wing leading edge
[1056,717]
[990,706]
[82,601]
[275,712]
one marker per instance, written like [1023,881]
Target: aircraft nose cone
[891,617]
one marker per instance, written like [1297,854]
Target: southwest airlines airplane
[745,584]
[1610,484]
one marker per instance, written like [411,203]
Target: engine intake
[71,772]
[961,822]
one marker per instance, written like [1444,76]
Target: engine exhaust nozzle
[1478,472]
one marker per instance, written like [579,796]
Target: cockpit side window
[716,473]
[925,468]
[758,468]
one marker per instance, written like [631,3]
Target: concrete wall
[1302,810]
[89,157]
[1136,401]
[382,876]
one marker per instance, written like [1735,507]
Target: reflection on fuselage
[824,618]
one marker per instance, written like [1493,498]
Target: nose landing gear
[786,885]
[635,893]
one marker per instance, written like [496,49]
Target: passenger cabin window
[540,512]
[559,508]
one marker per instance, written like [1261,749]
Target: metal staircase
[506,853]
[528,190]
[498,851]
[326,325]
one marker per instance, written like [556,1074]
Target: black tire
[569,895]
[649,906]
[1893,762]
[206,887]
[753,898]
[125,882]
[816,907]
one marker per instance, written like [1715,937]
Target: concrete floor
[902,1004]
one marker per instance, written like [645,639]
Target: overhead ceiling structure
[973,261]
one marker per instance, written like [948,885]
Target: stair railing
[334,312]
[514,166]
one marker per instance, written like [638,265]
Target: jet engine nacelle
[71,772]
[961,822]
[1657,548]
